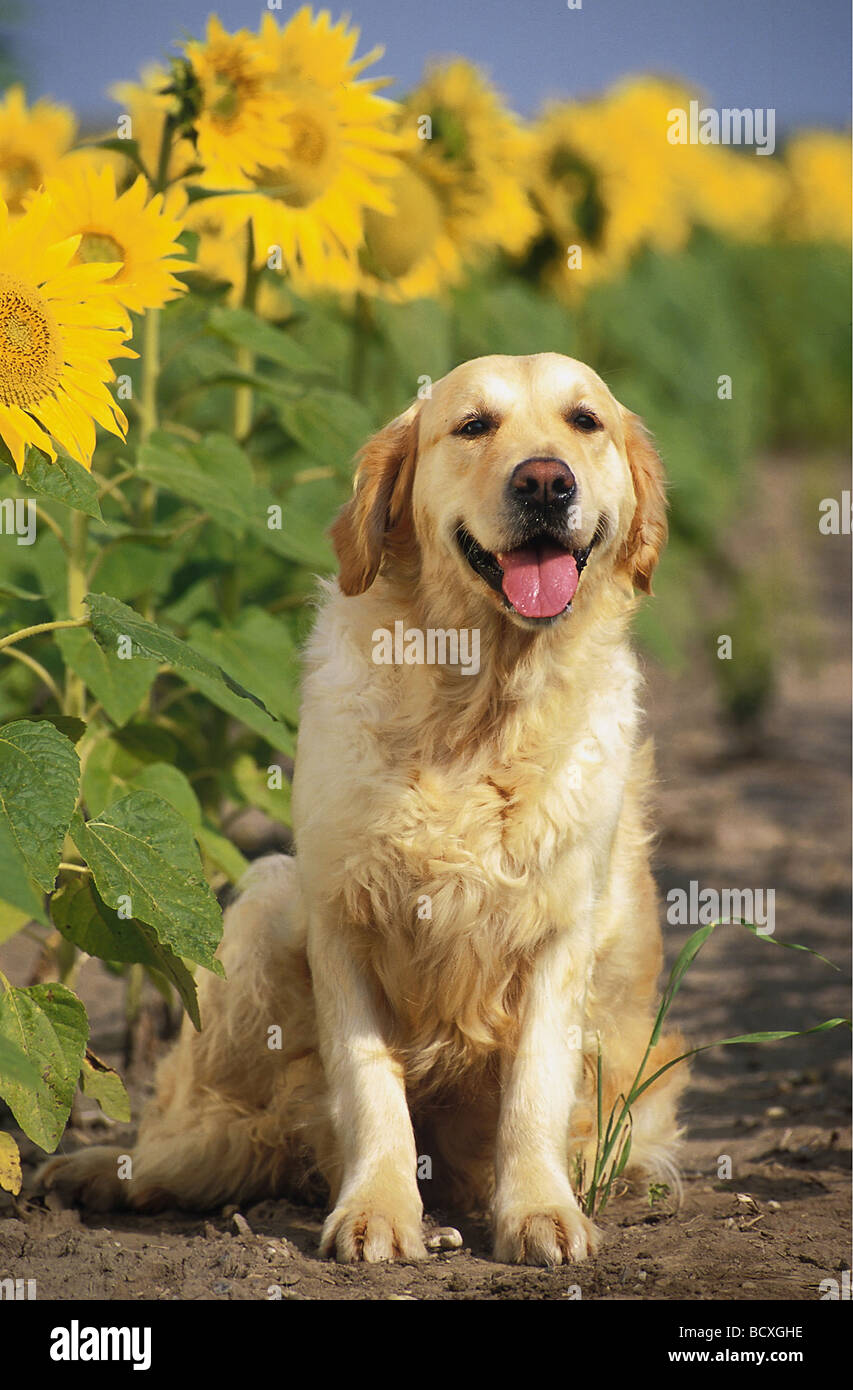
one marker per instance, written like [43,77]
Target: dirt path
[778,818]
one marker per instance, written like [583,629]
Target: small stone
[775,1112]
[774,1206]
[445,1238]
[242,1225]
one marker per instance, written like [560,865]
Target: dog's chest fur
[450,868]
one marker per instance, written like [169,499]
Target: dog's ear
[379,515]
[648,531]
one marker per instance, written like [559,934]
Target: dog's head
[513,478]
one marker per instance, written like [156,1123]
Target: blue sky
[793,55]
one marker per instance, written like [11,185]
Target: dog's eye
[477,425]
[586,421]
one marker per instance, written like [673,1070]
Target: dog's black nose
[545,482]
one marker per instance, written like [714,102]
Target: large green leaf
[259,650]
[245,329]
[39,772]
[64,481]
[216,475]
[120,683]
[49,1025]
[112,620]
[82,916]
[20,898]
[141,849]
[15,1065]
[109,618]
[330,426]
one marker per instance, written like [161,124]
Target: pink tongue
[539,580]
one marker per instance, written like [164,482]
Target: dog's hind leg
[239,1111]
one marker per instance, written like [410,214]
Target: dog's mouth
[537,580]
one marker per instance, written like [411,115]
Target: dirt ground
[770,813]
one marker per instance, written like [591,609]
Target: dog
[470,919]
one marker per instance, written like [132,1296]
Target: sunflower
[59,327]
[337,154]
[475,153]
[140,236]
[239,120]
[460,195]
[740,195]
[32,143]
[818,208]
[604,178]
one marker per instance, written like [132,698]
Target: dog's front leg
[536,1214]
[378,1210]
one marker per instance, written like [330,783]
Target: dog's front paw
[551,1236]
[371,1229]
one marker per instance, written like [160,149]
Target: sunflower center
[30,345]
[17,176]
[448,130]
[394,245]
[579,181]
[307,172]
[99,246]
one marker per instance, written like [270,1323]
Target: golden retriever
[422,990]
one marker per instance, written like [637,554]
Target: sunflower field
[204,312]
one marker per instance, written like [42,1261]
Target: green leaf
[39,773]
[260,652]
[330,426]
[173,786]
[49,1024]
[82,916]
[112,619]
[253,784]
[245,329]
[109,618]
[15,1065]
[67,724]
[222,853]
[141,849]
[13,918]
[20,899]
[216,475]
[120,684]
[105,1086]
[64,481]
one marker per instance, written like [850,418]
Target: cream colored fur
[471,895]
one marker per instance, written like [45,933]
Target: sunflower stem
[361,331]
[148,404]
[15,637]
[75,689]
[245,355]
